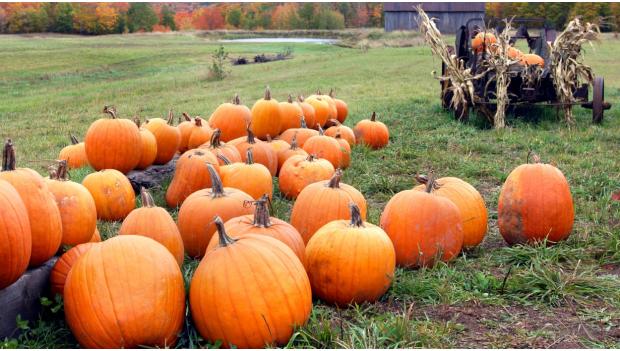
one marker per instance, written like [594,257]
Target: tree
[141,17]
[233,17]
[285,17]
[183,21]
[4,20]
[85,18]
[106,18]
[26,18]
[64,18]
[208,18]
[167,18]
[326,18]
[306,14]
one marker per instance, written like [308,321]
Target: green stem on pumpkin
[225,240]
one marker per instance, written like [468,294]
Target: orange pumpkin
[74,154]
[191,175]
[350,261]
[345,152]
[231,119]
[532,60]
[58,275]
[266,117]
[302,134]
[336,127]
[250,292]
[207,203]
[423,227]
[535,204]
[96,238]
[341,108]
[112,192]
[168,138]
[44,216]
[322,202]
[372,133]
[514,53]
[201,133]
[322,111]
[483,40]
[185,127]
[15,235]
[123,293]
[333,110]
[300,171]
[111,143]
[78,211]
[277,145]
[156,223]
[325,147]
[252,178]
[263,153]
[148,147]
[216,147]
[308,113]
[261,223]
[287,153]
[291,114]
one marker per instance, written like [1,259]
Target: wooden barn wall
[448,22]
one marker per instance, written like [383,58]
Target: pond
[281,40]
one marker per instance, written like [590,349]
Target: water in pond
[281,40]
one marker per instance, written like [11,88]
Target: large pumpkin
[291,114]
[372,133]
[325,147]
[263,153]
[535,204]
[78,211]
[112,192]
[217,148]
[266,117]
[322,202]
[191,175]
[123,293]
[292,150]
[58,275]
[168,138]
[252,178]
[74,154]
[148,147]
[15,235]
[111,143]
[231,119]
[308,115]
[44,216]
[250,292]
[423,227]
[155,223]
[207,203]
[201,133]
[300,171]
[350,261]
[342,108]
[302,134]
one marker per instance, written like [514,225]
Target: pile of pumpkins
[486,41]
[258,274]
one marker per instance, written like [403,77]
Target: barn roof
[434,6]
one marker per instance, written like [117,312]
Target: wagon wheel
[446,96]
[598,100]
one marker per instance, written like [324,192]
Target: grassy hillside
[493,296]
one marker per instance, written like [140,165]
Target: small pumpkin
[345,152]
[342,108]
[372,133]
[252,178]
[266,117]
[308,113]
[185,127]
[299,171]
[350,261]
[532,60]
[333,110]
[287,153]
[15,235]
[302,134]
[263,153]
[231,119]
[148,147]
[201,133]
[483,40]
[216,147]
[74,154]
[110,143]
[168,138]
[190,175]
[335,127]
[325,147]
[322,202]
[514,53]
[207,203]
[58,275]
[250,292]
[156,223]
[112,192]
[322,111]
[290,113]
[277,145]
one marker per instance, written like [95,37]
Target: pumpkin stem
[225,240]
[147,199]
[321,131]
[332,122]
[318,92]
[429,181]
[334,182]
[269,138]
[215,138]
[338,136]
[198,121]
[261,214]
[356,216]
[294,145]
[331,92]
[236,100]
[251,139]
[534,157]
[373,117]
[61,172]
[224,158]
[136,120]
[170,117]
[311,158]
[74,140]
[186,117]
[8,156]
[250,157]
[290,99]
[303,122]
[217,189]
[111,110]
[267,93]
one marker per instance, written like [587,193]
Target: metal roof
[435,6]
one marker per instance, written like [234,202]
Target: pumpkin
[201,133]
[335,127]
[350,261]
[74,154]
[263,153]
[190,175]
[266,117]
[308,113]
[333,110]
[216,147]
[483,40]
[15,235]
[325,147]
[78,211]
[470,204]
[231,119]
[299,171]
[290,114]
[111,143]
[342,110]
[168,138]
[185,127]
[123,293]
[250,292]
[532,60]
[252,178]
[514,53]
[423,227]
[44,216]
[372,133]
[224,202]
[535,204]
[58,275]
[277,145]
[112,192]
[322,202]
[287,153]
[148,147]
[302,134]
[261,223]
[96,238]
[322,111]
[155,223]
[345,152]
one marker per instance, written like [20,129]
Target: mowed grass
[566,295]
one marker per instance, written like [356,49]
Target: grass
[519,296]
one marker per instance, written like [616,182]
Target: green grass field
[567,295]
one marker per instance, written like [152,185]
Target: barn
[450,15]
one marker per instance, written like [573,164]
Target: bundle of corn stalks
[567,67]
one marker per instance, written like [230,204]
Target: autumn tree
[4,20]
[141,17]
[167,18]
[285,17]
[26,18]
[106,18]
[233,17]
[63,22]
[208,18]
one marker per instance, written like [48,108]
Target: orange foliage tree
[208,18]
[184,20]
[106,18]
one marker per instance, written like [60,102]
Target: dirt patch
[611,269]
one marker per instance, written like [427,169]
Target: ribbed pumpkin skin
[535,203]
[168,139]
[470,204]
[112,192]
[266,117]
[218,148]
[185,130]
[262,152]
[123,293]
[308,112]
[201,133]
[78,211]
[325,147]
[250,294]
[290,113]
[345,152]
[191,175]
[111,144]
[422,226]
[284,155]
[58,275]
[44,216]
[319,204]
[253,179]
[349,264]
[75,155]
[299,171]
[483,40]
[532,60]
[232,119]
[148,146]
[322,111]
[96,238]
[345,132]
[343,110]
[15,235]
[303,134]
[372,133]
